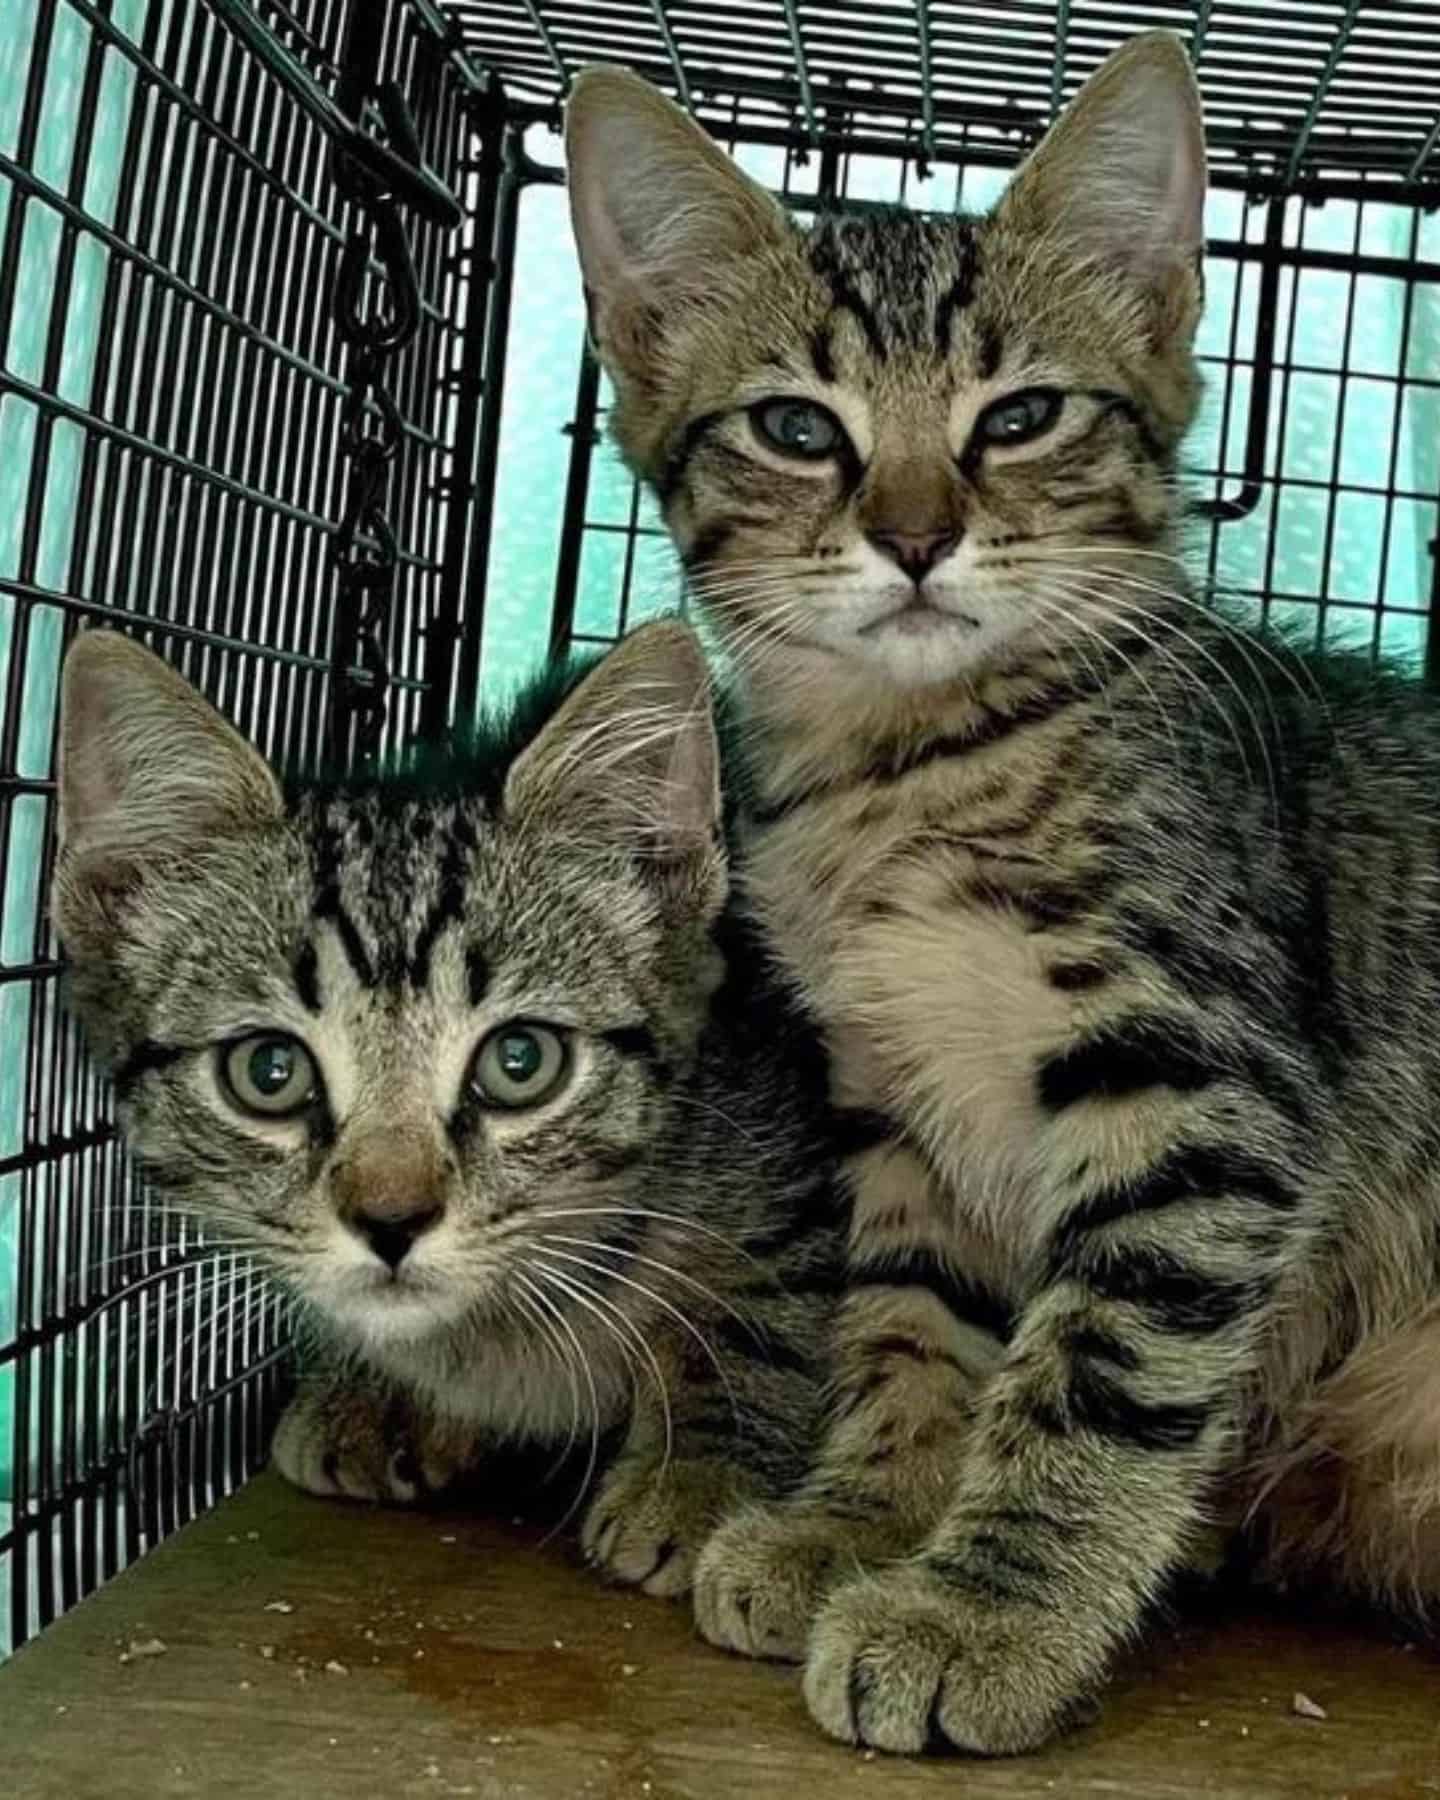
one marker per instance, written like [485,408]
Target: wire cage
[293,384]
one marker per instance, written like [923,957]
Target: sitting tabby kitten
[1123,935]
[459,1058]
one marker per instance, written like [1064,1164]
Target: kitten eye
[1019,417]
[520,1065]
[798,428]
[271,1074]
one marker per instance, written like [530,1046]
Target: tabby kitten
[457,1054]
[1121,927]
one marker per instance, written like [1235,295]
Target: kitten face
[386,1039]
[420,1021]
[895,443]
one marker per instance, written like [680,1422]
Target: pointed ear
[149,771]
[630,762]
[1121,173]
[655,204]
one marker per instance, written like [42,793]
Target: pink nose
[916,552]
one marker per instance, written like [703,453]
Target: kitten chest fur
[918,915]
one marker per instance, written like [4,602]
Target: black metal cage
[260,333]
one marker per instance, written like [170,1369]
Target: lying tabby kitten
[1123,934]
[458,1058]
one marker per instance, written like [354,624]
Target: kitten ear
[631,761]
[1121,173]
[148,769]
[655,204]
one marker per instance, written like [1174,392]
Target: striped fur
[648,1258]
[1120,921]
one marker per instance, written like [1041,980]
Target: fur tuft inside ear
[655,202]
[1121,173]
[630,762]
[149,771]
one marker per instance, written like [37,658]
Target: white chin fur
[377,1312]
[393,1318]
[866,623]
[942,653]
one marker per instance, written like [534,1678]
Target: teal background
[1379,427]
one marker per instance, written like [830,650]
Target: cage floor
[476,1662]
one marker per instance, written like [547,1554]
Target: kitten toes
[340,1446]
[649,1519]
[763,1574]
[905,1662]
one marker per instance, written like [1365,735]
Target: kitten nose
[916,552]
[391,1237]
[389,1190]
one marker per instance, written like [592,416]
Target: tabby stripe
[147,1058]
[909,1348]
[846,297]
[1189,1172]
[448,910]
[757,1343]
[1180,1298]
[1141,1051]
[1123,406]
[990,351]
[898,761]
[1089,1340]
[330,909]
[1065,1531]
[822,353]
[305,973]
[958,295]
[694,434]
[1126,1056]
[855,1129]
[477,974]
[1044,908]
[637,1043]
[986,1583]
[1097,1402]
[968,1301]
[1077,977]
[998,1550]
[708,544]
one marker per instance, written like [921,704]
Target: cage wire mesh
[233,404]
[293,383]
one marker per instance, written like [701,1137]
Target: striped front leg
[914,1343]
[1087,1473]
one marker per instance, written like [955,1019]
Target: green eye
[270,1074]
[798,428]
[520,1065]
[1020,417]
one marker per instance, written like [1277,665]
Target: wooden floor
[317,1651]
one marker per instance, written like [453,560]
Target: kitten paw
[906,1661]
[355,1446]
[763,1575]
[648,1521]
